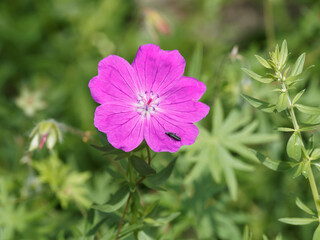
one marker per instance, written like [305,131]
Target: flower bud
[46,132]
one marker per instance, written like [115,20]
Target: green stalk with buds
[304,156]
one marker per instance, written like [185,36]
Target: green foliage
[49,52]
[214,151]
[64,182]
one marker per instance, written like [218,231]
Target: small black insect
[173,136]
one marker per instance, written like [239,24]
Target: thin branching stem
[123,216]
[130,195]
[312,181]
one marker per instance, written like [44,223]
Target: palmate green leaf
[228,164]
[223,151]
[274,165]
[298,66]
[307,109]
[257,77]
[294,146]
[303,207]
[141,166]
[298,221]
[316,234]
[261,105]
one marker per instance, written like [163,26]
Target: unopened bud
[156,20]
[46,132]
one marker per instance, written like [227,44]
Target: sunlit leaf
[307,109]
[294,146]
[316,234]
[298,66]
[282,103]
[263,62]
[298,221]
[283,53]
[257,77]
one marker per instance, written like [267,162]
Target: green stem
[123,216]
[130,177]
[312,181]
[314,190]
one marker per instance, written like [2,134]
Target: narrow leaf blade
[274,165]
[141,166]
[298,221]
[257,77]
[298,66]
[303,207]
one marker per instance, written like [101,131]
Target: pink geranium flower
[149,99]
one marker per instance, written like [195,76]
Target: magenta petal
[101,93]
[187,88]
[188,111]
[158,70]
[116,80]
[159,141]
[123,126]
[180,102]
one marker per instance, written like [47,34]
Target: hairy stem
[312,181]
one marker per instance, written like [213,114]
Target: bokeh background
[49,50]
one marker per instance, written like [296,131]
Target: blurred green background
[49,50]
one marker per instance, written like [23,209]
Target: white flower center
[147,103]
